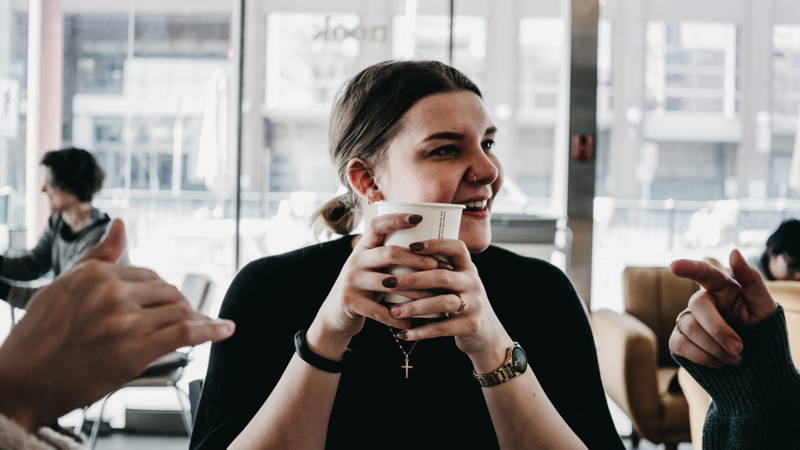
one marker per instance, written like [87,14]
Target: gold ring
[461,308]
[680,316]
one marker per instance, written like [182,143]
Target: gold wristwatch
[516,363]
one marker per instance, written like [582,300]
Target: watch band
[315,360]
[500,375]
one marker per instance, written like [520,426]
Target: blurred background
[210,119]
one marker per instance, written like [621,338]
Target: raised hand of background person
[92,330]
[704,332]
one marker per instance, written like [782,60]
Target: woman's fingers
[429,279]
[704,310]
[446,303]
[455,251]
[692,330]
[392,255]
[683,346]
[366,307]
[457,326]
[379,227]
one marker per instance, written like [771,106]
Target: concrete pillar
[582,119]
[45,63]
[500,88]
[255,160]
[628,67]
[752,159]
[6,40]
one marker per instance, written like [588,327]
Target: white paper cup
[439,221]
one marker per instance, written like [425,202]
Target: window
[692,67]
[13,80]
[686,167]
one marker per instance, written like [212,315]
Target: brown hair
[366,117]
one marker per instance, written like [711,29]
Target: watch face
[519,360]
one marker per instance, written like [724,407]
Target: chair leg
[635,439]
[185,413]
[96,426]
[83,420]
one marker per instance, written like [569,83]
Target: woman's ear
[362,180]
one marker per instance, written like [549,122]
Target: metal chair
[195,391]
[167,370]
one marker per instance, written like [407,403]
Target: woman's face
[443,154]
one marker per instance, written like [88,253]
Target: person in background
[781,259]
[118,320]
[72,178]
[732,339]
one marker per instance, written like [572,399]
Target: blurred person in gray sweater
[73,176]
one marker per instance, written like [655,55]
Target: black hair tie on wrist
[313,359]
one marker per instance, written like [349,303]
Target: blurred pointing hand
[92,330]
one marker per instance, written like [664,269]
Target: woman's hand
[353,296]
[703,333]
[473,323]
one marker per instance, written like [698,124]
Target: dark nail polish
[414,219]
[401,335]
[389,282]
[416,246]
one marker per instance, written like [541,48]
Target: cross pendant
[406,366]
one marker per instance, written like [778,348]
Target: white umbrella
[213,161]
[794,168]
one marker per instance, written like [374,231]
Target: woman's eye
[443,151]
[487,144]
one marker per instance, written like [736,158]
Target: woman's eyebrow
[453,136]
[444,135]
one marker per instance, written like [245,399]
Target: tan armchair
[633,352]
[787,293]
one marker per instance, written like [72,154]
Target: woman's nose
[482,169]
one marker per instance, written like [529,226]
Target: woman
[405,131]
[72,178]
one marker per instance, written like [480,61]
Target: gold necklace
[406,354]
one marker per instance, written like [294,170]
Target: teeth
[478,204]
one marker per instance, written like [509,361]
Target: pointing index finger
[709,277]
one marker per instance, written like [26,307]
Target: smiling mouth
[476,206]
